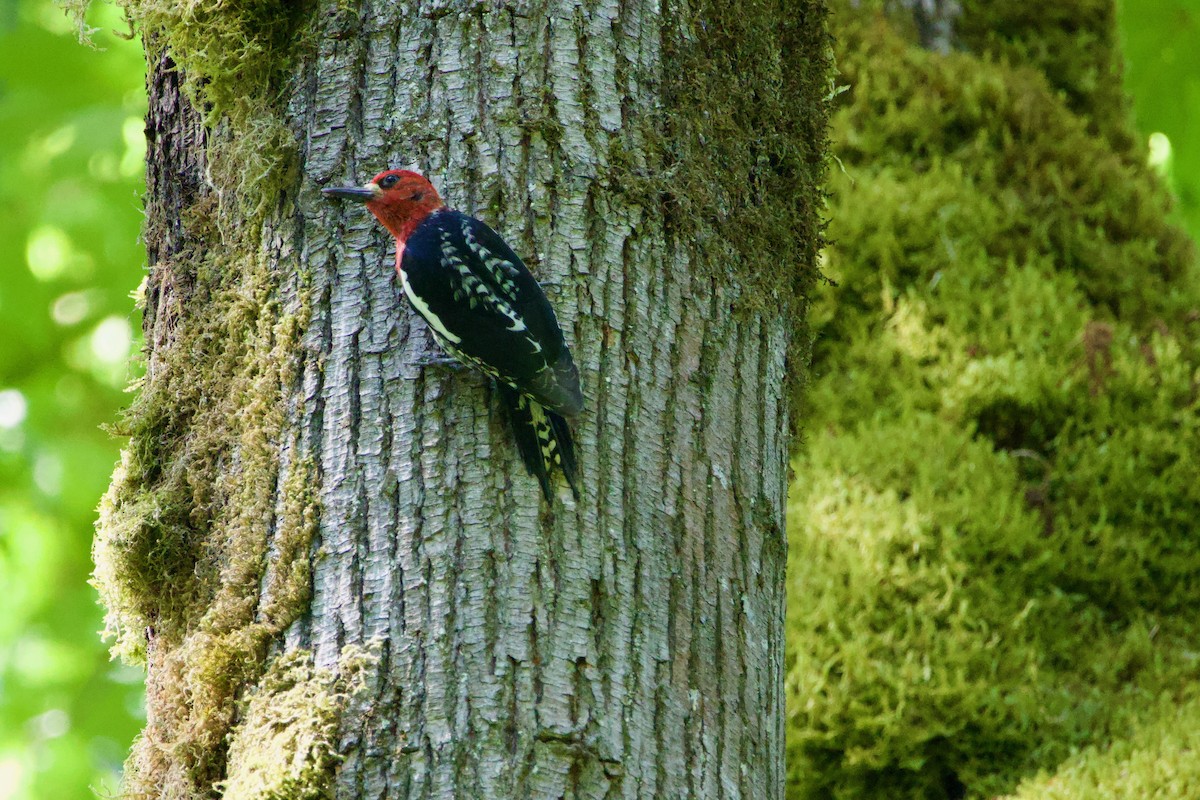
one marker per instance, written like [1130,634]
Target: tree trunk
[330,557]
[935,22]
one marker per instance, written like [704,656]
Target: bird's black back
[486,307]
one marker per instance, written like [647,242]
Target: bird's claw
[438,360]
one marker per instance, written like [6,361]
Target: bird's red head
[399,198]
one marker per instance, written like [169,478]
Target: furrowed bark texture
[629,645]
[175,161]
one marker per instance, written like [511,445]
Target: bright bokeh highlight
[70,215]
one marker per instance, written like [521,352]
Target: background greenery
[70,176]
[994,549]
[1162,73]
[71,151]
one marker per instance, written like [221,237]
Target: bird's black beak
[359,194]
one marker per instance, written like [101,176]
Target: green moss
[738,162]
[234,60]
[235,64]
[885,589]
[181,543]
[1074,44]
[991,541]
[285,746]
[1155,761]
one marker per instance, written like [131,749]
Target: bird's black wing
[486,307]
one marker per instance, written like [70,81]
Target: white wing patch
[425,311]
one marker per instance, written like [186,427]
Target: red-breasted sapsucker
[486,311]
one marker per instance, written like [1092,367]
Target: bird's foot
[438,360]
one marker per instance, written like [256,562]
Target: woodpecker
[486,311]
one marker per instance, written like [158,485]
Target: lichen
[991,541]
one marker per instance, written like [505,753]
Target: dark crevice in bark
[175,163]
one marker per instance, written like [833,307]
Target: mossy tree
[993,544]
[340,579]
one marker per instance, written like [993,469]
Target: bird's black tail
[543,439]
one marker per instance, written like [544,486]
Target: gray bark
[935,23]
[934,20]
[626,646]
[630,646]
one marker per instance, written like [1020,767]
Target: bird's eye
[389,181]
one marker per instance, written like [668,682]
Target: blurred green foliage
[70,213]
[1162,56]
[993,545]
[1154,760]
